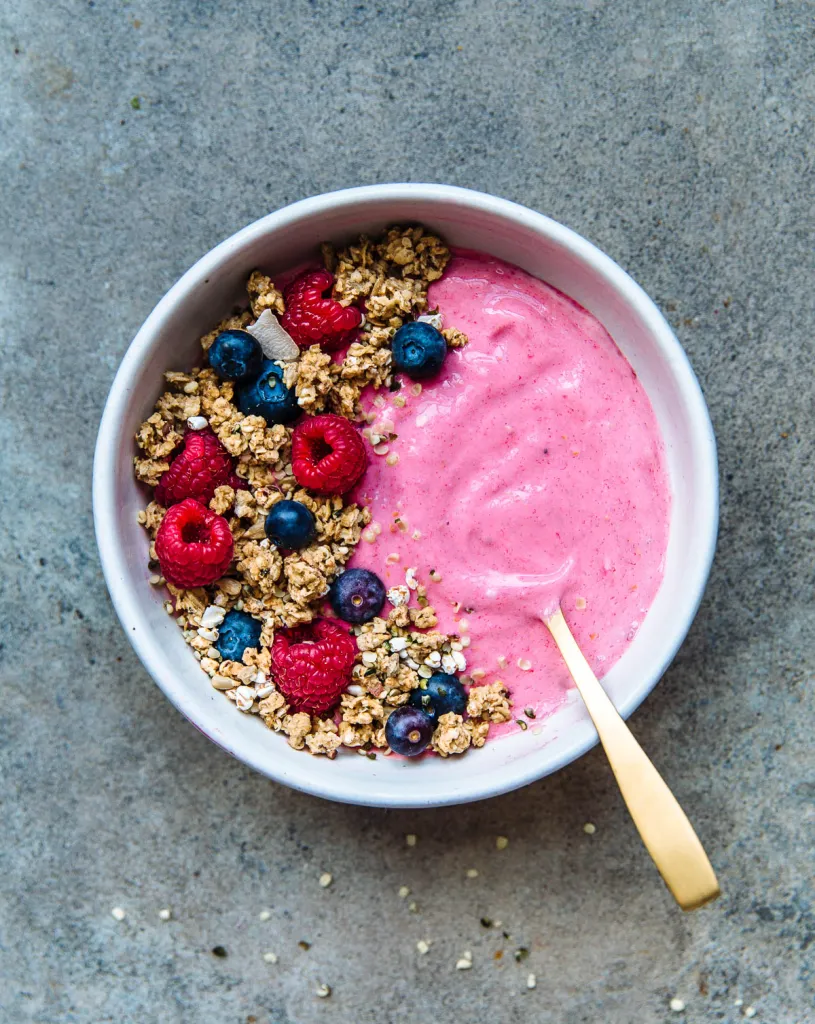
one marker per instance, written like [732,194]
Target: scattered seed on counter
[531,981]
[422,946]
[270,958]
[118,914]
[677,1005]
[220,952]
[323,991]
[472,873]
[165,914]
[501,842]
[264,915]
[326,879]
[404,892]
[411,839]
[589,829]
[465,961]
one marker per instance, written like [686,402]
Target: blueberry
[290,525]
[418,350]
[237,632]
[268,396]
[357,595]
[408,731]
[236,355]
[444,694]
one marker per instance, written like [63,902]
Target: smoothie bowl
[378,434]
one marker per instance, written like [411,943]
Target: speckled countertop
[678,137]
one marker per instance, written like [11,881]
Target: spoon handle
[662,824]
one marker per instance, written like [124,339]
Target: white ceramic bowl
[169,339]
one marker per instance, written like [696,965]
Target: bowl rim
[514,775]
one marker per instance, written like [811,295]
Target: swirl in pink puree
[532,468]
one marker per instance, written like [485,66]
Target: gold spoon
[662,824]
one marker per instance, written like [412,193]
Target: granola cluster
[391,276]
[396,654]
[396,658]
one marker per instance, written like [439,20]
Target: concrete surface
[678,136]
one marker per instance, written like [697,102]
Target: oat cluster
[397,657]
[391,276]
[396,654]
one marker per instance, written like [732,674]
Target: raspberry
[312,668]
[196,472]
[193,545]
[313,320]
[327,454]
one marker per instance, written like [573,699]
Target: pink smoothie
[530,472]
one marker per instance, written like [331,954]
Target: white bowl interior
[169,340]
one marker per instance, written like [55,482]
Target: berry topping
[193,545]
[235,355]
[313,320]
[328,455]
[313,667]
[357,595]
[408,731]
[444,695]
[237,632]
[418,350]
[203,465]
[290,525]
[268,396]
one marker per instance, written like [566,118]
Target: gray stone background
[677,136]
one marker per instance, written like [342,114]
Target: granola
[396,652]
[490,703]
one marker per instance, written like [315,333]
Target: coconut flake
[434,319]
[276,343]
